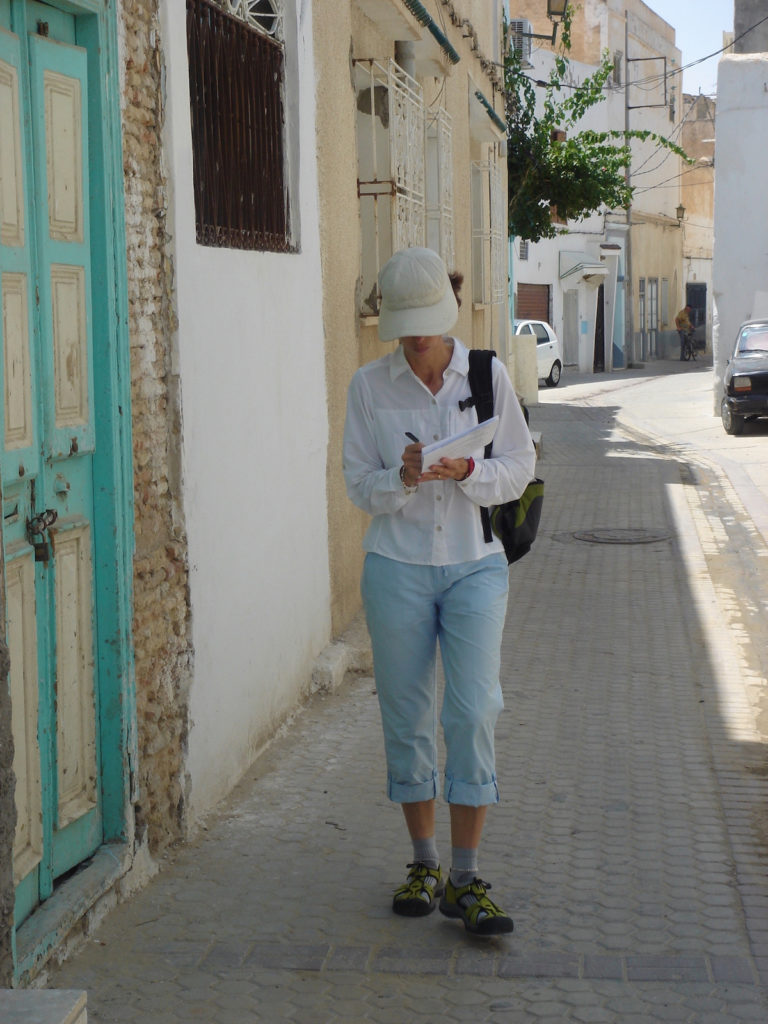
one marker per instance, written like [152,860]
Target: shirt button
[438,528]
[435,437]
[439,497]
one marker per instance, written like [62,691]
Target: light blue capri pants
[409,609]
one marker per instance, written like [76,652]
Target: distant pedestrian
[684,327]
[430,578]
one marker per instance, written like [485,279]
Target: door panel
[47,458]
[75,721]
[70,352]
[22,644]
[571,327]
[19,466]
[64,149]
[19,429]
[59,98]
[11,156]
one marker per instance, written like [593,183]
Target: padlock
[37,528]
[42,550]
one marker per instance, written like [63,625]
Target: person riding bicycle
[684,327]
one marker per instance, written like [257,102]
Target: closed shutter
[532,302]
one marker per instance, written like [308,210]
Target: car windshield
[753,339]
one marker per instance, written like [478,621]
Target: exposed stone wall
[161,606]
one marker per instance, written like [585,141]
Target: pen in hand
[412,436]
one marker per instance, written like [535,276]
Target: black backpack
[515,523]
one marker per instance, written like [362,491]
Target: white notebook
[461,445]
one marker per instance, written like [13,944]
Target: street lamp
[680,213]
[555,9]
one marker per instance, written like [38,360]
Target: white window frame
[489,255]
[439,165]
[391,149]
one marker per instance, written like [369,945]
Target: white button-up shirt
[439,523]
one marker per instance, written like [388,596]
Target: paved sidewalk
[630,844]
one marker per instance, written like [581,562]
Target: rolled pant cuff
[411,792]
[470,794]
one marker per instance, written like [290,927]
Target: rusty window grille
[236,95]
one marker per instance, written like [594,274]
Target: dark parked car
[746,377]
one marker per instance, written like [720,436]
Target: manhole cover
[620,536]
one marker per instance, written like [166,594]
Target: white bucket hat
[416,296]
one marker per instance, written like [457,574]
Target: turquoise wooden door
[48,451]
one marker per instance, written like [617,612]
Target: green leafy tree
[551,163]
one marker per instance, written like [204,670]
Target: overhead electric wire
[656,79]
[663,184]
[700,60]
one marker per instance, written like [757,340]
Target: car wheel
[732,424]
[554,376]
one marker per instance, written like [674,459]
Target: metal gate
[532,302]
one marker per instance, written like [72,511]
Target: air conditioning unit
[519,39]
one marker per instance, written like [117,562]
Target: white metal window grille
[264,15]
[391,168]
[440,235]
[519,39]
[523,249]
[489,266]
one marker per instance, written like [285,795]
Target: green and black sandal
[417,897]
[480,914]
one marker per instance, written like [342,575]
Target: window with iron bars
[439,164]
[236,84]
[391,168]
[489,262]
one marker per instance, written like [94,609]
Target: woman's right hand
[411,464]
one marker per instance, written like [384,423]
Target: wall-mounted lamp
[555,10]
[680,213]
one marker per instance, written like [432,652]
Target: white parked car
[549,351]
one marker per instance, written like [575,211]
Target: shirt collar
[459,363]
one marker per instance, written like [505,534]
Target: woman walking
[429,577]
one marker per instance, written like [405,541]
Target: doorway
[696,298]
[65,461]
[598,363]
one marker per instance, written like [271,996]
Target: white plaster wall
[740,261]
[252,370]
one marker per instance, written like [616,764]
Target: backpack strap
[481,385]
[481,382]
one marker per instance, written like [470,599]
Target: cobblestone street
[630,843]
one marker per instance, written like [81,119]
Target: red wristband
[470,469]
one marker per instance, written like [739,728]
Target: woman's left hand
[446,469]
